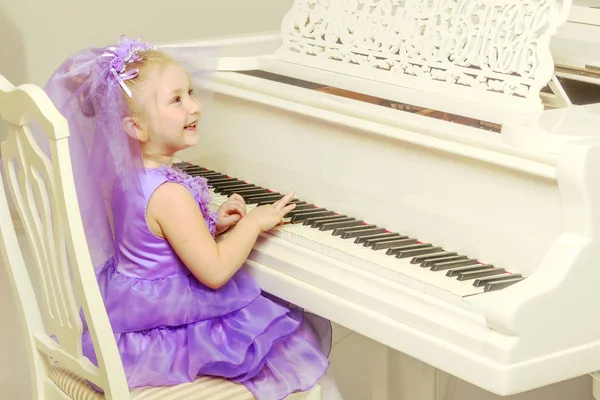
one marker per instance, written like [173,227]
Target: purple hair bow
[125,52]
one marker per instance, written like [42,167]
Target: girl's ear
[133,129]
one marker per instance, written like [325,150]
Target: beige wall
[37,35]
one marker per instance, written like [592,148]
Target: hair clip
[125,52]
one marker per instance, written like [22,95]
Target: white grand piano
[446,159]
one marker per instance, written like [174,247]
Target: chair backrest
[43,192]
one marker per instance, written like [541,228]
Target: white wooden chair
[43,192]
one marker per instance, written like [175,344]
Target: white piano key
[377,262]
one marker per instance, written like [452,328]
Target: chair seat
[203,388]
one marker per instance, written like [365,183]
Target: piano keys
[402,259]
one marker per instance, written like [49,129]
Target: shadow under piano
[446,160]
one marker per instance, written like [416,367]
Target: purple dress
[170,328]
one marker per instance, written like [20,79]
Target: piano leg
[413,379]
[445,385]
[380,370]
[596,384]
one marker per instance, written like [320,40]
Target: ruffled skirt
[236,332]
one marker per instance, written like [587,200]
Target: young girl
[177,300]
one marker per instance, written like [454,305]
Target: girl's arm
[174,215]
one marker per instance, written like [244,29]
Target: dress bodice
[139,252]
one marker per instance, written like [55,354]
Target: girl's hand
[270,215]
[230,213]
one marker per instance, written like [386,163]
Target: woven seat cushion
[204,388]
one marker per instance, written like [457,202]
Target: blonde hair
[150,65]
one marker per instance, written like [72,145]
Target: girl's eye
[191,92]
[176,99]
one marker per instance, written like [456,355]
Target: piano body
[445,131]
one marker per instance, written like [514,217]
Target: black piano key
[335,225]
[364,230]
[249,191]
[318,221]
[293,201]
[350,229]
[297,202]
[310,221]
[484,281]
[240,185]
[476,267]
[333,220]
[188,169]
[264,194]
[429,263]
[228,190]
[466,276]
[205,175]
[256,199]
[208,174]
[424,248]
[252,194]
[271,200]
[200,172]
[197,171]
[392,251]
[302,209]
[369,241]
[425,257]
[192,166]
[451,264]
[216,184]
[223,182]
[385,235]
[497,285]
[385,244]
[302,216]
[268,201]
[182,164]
[328,226]
[305,206]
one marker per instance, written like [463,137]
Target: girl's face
[174,115]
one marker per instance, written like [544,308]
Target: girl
[177,300]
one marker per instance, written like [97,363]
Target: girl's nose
[195,107]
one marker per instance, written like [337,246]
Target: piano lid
[494,52]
